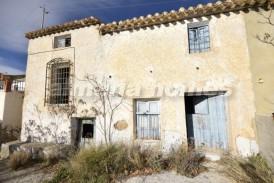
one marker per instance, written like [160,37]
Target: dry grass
[188,163]
[234,170]
[251,170]
[115,162]
[19,159]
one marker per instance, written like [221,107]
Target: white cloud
[18,17]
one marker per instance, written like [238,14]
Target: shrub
[251,170]
[233,169]
[188,163]
[257,169]
[62,175]
[115,162]
[101,164]
[19,159]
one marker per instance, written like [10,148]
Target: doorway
[83,132]
[206,121]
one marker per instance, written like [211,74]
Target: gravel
[172,177]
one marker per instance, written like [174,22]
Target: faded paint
[148,58]
[262,64]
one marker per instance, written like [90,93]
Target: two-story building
[194,75]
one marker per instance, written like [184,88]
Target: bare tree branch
[266,18]
[105,102]
[267,37]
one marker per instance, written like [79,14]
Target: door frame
[226,111]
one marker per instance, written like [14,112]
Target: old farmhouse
[199,76]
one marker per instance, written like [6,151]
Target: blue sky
[20,16]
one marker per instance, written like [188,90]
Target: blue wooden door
[209,122]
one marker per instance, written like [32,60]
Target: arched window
[58,81]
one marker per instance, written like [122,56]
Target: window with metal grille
[198,37]
[62,41]
[147,120]
[58,82]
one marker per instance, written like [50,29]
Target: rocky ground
[39,173]
[33,174]
[213,175]
[172,177]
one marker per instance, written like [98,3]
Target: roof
[158,18]
[11,77]
[63,27]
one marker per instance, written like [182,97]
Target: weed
[114,162]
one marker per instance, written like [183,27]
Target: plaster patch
[172,140]
[246,147]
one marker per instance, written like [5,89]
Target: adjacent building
[198,76]
[11,100]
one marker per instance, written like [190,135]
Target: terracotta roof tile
[182,14]
[63,27]
[157,18]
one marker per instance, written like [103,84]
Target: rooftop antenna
[43,17]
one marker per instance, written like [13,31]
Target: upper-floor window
[62,41]
[58,81]
[198,37]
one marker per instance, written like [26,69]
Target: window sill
[62,48]
[148,140]
[59,105]
[199,53]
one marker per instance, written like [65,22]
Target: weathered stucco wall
[151,57]
[262,64]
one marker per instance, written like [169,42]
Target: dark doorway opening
[88,131]
[206,120]
[190,109]
[82,131]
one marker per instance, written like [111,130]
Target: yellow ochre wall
[262,65]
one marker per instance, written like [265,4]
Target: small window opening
[88,131]
[198,37]
[62,41]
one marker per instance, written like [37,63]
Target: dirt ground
[211,176]
[39,173]
[172,177]
[34,174]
